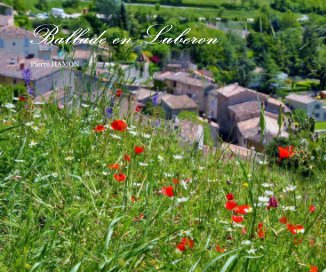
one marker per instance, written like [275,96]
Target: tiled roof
[162,76]
[235,89]
[306,99]
[250,127]
[184,78]
[142,93]
[245,108]
[13,70]
[231,90]
[4,20]
[9,31]
[179,102]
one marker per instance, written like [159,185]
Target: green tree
[42,5]
[123,17]
[110,9]
[19,5]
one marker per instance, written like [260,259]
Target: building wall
[211,106]
[61,79]
[194,92]
[315,107]
[23,46]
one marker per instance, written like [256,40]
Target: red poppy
[139,149]
[285,152]
[99,128]
[230,196]
[119,125]
[261,230]
[283,220]
[22,98]
[295,229]
[243,209]
[127,158]
[219,249]
[138,108]
[114,166]
[230,205]
[181,247]
[185,243]
[119,177]
[312,208]
[175,181]
[167,191]
[139,217]
[237,219]
[118,93]
[313,268]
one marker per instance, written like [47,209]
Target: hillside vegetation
[82,190]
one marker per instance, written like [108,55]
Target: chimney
[22,66]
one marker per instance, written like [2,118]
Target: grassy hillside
[79,195]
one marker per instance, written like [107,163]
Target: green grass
[62,210]
[320,125]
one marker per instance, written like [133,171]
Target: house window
[13,43]
[324,116]
[1,43]
[174,84]
[26,42]
[317,107]
[317,115]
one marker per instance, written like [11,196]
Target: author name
[55,64]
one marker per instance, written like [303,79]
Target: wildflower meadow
[85,189]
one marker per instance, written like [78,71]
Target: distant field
[30,5]
[205,3]
[320,125]
[193,12]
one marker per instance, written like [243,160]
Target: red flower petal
[312,208]
[261,230]
[219,249]
[167,191]
[139,149]
[114,166]
[283,220]
[118,93]
[237,219]
[230,205]
[295,229]
[243,209]
[230,196]
[138,108]
[175,181]
[181,247]
[99,128]
[119,125]
[22,98]
[127,158]
[119,177]
[313,268]
[285,152]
